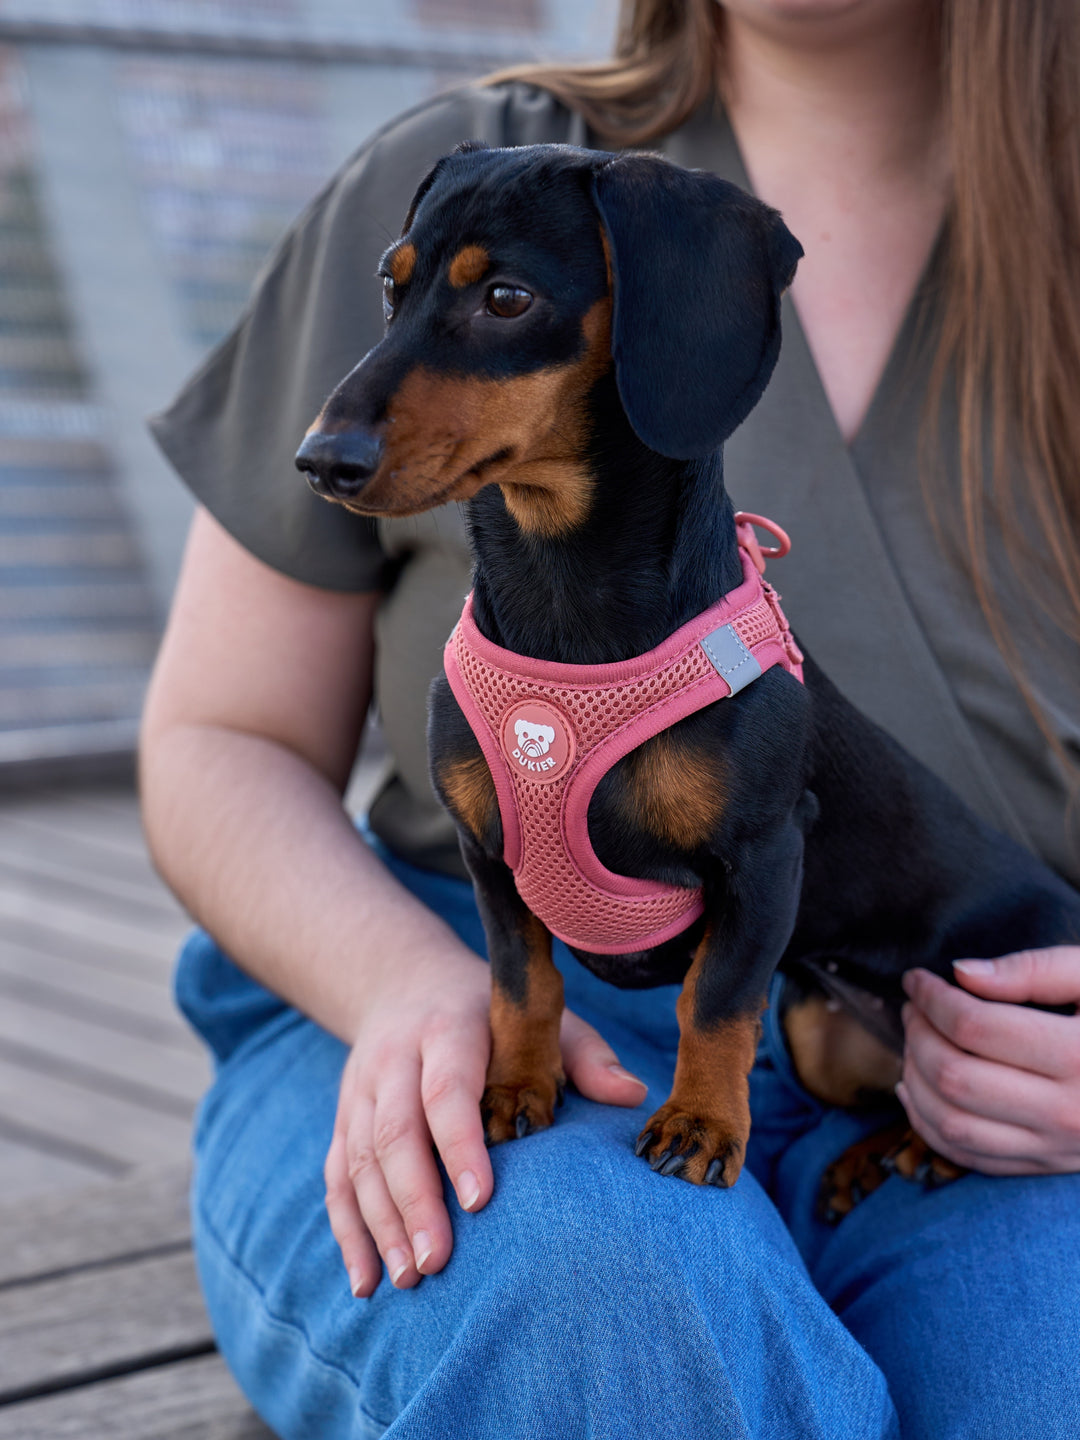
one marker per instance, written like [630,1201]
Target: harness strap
[551,731]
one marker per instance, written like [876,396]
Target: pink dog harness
[551,731]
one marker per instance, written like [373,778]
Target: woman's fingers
[594,1067]
[989,1083]
[358,1252]
[452,1082]
[1026,1039]
[397,1183]
[1050,977]
[969,1083]
[970,1140]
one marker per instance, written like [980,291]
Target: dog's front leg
[700,1133]
[525,1076]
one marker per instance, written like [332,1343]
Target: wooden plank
[73,923]
[81,856]
[26,1171]
[192,1400]
[98,1056]
[64,1116]
[102,1223]
[95,697]
[51,879]
[53,815]
[36,933]
[139,1004]
[88,1323]
[118,598]
[79,645]
[122,803]
[169,1030]
[105,550]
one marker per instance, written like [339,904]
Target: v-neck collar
[789,460]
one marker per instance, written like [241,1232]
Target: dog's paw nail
[673,1165]
[522,1126]
[887,1164]
[714,1175]
[656,1162]
[644,1140]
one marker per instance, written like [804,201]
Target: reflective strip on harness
[731,657]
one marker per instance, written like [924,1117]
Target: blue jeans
[593,1298]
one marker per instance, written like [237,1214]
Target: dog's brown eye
[389,296]
[507,301]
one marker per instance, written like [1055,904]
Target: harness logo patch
[537,740]
[534,740]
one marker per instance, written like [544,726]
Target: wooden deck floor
[102,1329]
[98,1073]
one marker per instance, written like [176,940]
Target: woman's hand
[414,1078]
[994,1087]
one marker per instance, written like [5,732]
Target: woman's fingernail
[468,1189]
[901,1093]
[421,1244]
[356,1280]
[621,1074]
[397,1262]
[975,967]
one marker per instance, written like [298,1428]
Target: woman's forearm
[256,844]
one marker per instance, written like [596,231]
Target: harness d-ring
[744,523]
[743,517]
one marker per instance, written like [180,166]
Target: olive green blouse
[875,590]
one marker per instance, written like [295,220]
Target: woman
[566,1289]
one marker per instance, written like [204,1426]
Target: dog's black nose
[339,465]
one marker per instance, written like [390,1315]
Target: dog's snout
[338,466]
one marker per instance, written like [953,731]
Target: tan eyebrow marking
[469,265]
[403,263]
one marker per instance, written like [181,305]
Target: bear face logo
[533,740]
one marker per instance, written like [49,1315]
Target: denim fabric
[592,1298]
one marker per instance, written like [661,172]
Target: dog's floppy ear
[698,268]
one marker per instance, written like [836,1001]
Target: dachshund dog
[571,336]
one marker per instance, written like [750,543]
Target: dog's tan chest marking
[675,793]
[470,792]
[470,264]
[835,1057]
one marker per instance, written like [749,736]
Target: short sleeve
[233,430]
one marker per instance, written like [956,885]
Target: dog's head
[522,276]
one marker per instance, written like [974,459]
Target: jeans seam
[284,1323]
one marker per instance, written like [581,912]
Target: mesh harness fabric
[550,732]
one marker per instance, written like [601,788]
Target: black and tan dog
[571,337]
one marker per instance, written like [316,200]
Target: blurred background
[151,154]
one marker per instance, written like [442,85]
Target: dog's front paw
[511,1111]
[703,1150]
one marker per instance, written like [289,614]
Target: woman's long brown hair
[1009,350]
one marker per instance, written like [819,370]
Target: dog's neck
[656,548]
